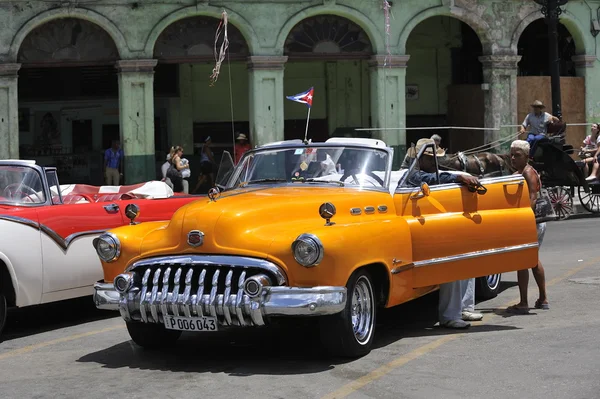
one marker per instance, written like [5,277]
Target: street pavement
[71,350]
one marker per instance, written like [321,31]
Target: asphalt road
[55,352]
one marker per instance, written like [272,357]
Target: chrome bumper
[233,310]
[105,296]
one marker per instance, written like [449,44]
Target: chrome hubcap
[362,310]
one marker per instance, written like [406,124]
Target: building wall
[352,101]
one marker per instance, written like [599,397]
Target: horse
[482,164]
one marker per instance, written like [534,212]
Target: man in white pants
[457,304]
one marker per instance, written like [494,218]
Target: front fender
[347,247]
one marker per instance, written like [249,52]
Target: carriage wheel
[590,200]
[562,201]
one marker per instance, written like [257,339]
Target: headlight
[108,247]
[308,250]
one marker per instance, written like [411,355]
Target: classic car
[311,229]
[46,230]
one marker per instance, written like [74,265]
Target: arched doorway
[533,49]
[534,82]
[195,109]
[443,82]
[329,53]
[68,97]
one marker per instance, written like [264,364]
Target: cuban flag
[304,98]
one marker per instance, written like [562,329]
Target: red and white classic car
[46,230]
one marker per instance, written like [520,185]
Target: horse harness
[464,162]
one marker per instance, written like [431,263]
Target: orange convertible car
[311,229]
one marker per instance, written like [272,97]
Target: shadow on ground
[43,318]
[290,348]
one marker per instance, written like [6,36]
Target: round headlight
[308,250]
[108,247]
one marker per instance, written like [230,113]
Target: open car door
[457,233]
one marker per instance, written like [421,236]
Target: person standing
[113,164]
[207,160]
[518,153]
[241,147]
[165,168]
[174,172]
[453,309]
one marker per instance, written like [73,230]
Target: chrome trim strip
[20,220]
[214,260]
[64,243]
[475,254]
[403,268]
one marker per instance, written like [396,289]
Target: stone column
[500,97]
[9,111]
[136,119]
[388,101]
[584,65]
[266,98]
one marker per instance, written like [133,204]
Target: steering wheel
[352,173]
[478,188]
[11,191]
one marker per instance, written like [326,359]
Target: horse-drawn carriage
[560,174]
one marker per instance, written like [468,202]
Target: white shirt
[164,168]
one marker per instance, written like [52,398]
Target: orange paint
[263,223]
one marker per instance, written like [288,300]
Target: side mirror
[423,192]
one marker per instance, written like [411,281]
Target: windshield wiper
[339,183]
[263,181]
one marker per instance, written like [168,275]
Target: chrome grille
[182,286]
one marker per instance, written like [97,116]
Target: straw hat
[423,142]
[538,103]
[241,136]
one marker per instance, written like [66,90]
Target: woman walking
[519,153]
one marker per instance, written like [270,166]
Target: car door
[69,259]
[457,234]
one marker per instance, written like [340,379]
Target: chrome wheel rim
[492,281]
[362,310]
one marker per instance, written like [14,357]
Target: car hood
[246,222]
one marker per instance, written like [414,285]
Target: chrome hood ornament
[214,193]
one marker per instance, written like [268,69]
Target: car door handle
[112,208]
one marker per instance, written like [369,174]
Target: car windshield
[336,165]
[20,185]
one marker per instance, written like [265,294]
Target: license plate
[190,323]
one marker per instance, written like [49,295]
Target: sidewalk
[579,210]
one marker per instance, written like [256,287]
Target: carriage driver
[538,121]
[456,305]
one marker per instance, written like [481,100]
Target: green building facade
[74,75]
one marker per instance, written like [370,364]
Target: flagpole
[307,119]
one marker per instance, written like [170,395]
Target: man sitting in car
[456,305]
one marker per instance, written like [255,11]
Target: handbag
[173,172]
[543,210]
